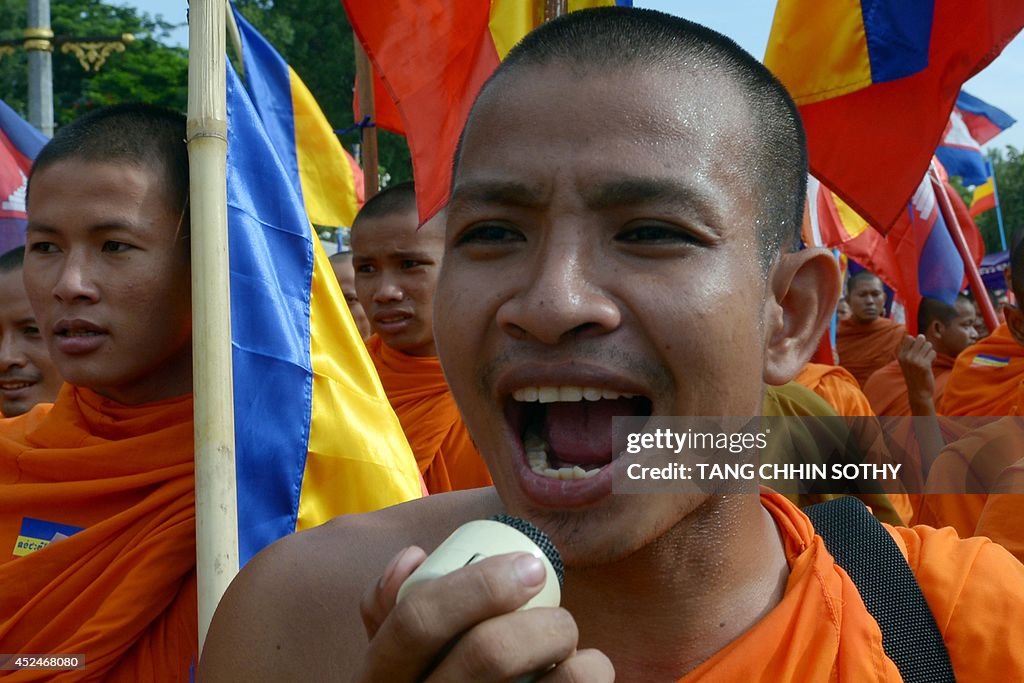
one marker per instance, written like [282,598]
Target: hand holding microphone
[482,607]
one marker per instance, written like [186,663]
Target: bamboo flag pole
[235,36]
[957,233]
[554,9]
[367,106]
[216,504]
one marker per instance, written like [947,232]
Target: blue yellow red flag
[876,80]
[19,145]
[315,436]
[984,197]
[305,141]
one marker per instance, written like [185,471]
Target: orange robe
[886,389]
[966,471]
[863,349]
[816,429]
[821,631]
[837,386]
[418,392]
[120,588]
[1002,518]
[986,379]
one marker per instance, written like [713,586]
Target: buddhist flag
[433,56]
[329,180]
[315,436]
[876,81]
[19,145]
[984,197]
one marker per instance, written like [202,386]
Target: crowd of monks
[550,290]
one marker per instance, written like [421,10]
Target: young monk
[341,263]
[561,270]
[949,330]
[27,375]
[97,504]
[866,340]
[986,380]
[396,264]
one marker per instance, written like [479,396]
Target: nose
[75,281]
[11,355]
[388,289]
[562,296]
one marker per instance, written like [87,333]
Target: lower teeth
[538,459]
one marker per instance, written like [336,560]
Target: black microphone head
[540,539]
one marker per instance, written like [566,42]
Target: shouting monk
[866,340]
[396,264]
[562,270]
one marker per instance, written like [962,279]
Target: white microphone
[484,538]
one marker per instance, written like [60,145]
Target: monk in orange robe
[950,330]
[1002,518]
[27,375]
[396,267]
[97,502]
[967,470]
[560,272]
[986,380]
[867,341]
[837,386]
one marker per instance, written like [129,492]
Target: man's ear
[803,293]
[1015,321]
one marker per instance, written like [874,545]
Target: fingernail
[530,571]
[389,571]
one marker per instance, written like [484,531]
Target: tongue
[580,433]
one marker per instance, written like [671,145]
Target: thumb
[380,598]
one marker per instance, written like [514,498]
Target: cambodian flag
[972,124]
[19,145]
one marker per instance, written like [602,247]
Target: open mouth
[566,431]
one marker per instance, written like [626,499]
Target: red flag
[385,113]
[886,128]
[434,56]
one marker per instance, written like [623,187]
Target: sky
[748,22]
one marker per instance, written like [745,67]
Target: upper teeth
[566,393]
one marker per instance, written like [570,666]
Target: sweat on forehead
[615,38]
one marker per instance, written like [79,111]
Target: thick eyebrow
[683,199]
[677,197]
[489,192]
[112,226]
[400,254]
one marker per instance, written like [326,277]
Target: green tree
[1008,164]
[148,70]
[316,40]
